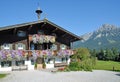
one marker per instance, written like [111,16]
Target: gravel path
[46,76]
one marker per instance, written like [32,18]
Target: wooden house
[22,44]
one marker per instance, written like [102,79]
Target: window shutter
[24,47]
[1,47]
[16,46]
[10,45]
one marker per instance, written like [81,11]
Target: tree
[81,54]
[109,55]
[81,59]
[115,54]
[101,55]
[93,53]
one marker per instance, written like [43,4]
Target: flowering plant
[12,54]
[65,52]
[43,39]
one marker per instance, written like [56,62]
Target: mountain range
[107,36]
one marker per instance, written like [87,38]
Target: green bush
[74,66]
[67,69]
[86,65]
[44,65]
[35,66]
[82,60]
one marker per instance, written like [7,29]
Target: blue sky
[77,16]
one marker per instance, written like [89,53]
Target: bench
[60,64]
[17,68]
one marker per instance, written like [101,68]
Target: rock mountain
[107,36]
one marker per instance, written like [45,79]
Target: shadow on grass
[116,70]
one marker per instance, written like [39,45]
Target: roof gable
[45,21]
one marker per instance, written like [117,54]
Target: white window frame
[20,46]
[6,46]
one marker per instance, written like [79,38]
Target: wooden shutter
[16,46]
[11,47]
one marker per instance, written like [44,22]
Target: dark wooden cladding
[9,34]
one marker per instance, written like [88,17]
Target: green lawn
[2,75]
[107,65]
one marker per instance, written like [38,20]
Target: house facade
[21,45]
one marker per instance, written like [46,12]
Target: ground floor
[16,65]
[47,76]
[11,60]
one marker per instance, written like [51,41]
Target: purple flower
[13,54]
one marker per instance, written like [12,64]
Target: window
[32,62]
[6,46]
[54,47]
[21,33]
[62,46]
[32,46]
[19,63]
[20,46]
[6,63]
[40,32]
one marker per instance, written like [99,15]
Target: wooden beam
[55,30]
[14,31]
[29,28]
[43,25]
[72,40]
[64,35]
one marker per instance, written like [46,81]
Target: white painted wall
[5,68]
[49,66]
[68,61]
[30,66]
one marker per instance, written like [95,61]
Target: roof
[73,36]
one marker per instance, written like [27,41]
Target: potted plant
[44,65]
[35,66]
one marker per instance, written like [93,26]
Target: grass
[2,75]
[107,65]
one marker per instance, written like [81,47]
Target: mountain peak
[107,27]
[107,36]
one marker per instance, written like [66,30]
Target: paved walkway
[47,76]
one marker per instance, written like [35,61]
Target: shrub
[86,65]
[35,66]
[81,60]
[67,69]
[44,65]
[74,66]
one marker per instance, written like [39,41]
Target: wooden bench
[24,67]
[60,64]
[18,68]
